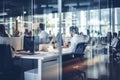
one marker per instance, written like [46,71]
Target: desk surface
[36,56]
[39,55]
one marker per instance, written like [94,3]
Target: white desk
[40,57]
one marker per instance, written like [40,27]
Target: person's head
[114,34]
[42,26]
[73,30]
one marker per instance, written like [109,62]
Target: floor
[93,68]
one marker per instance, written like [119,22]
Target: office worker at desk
[114,40]
[74,41]
[114,43]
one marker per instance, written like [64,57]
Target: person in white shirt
[73,42]
[43,35]
[113,45]
[114,40]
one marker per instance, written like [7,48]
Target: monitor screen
[28,43]
[31,43]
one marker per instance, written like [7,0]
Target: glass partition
[55,28]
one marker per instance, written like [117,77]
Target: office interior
[95,19]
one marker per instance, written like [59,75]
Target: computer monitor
[31,43]
[28,43]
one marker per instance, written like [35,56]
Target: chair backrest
[6,61]
[80,48]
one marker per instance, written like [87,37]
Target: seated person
[114,43]
[114,40]
[73,42]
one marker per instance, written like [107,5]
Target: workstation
[43,59]
[59,40]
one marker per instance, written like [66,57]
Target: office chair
[8,71]
[73,58]
[79,51]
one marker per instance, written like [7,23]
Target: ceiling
[17,7]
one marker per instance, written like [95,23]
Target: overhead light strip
[3,14]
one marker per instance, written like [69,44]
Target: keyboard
[25,52]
